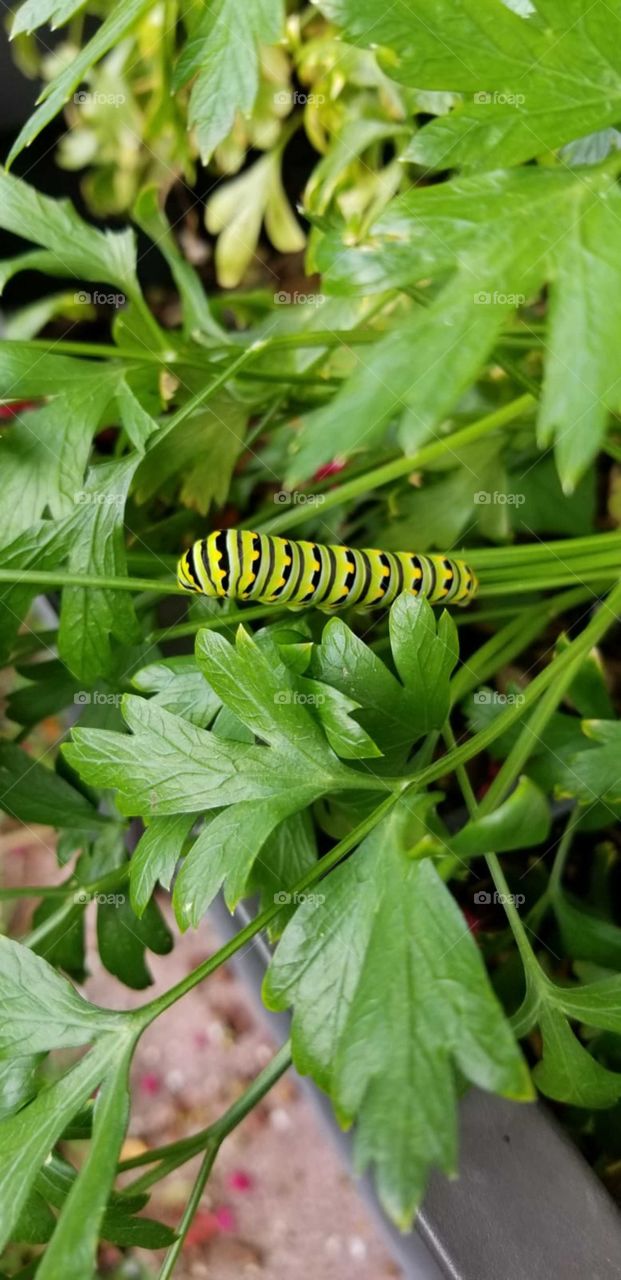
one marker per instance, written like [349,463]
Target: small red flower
[329,469]
[239,1180]
[18,406]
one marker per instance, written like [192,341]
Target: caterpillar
[255,566]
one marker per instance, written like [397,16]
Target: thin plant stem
[390,471]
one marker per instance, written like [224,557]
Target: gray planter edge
[526,1203]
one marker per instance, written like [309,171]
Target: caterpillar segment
[253,566]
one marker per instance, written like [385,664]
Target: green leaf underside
[32,793]
[73,1247]
[27,1137]
[77,248]
[40,1009]
[567,1072]
[118,22]
[529,85]
[90,617]
[390,995]
[522,820]
[222,51]
[501,235]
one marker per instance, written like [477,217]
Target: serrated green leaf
[567,1072]
[502,235]
[528,86]
[90,617]
[78,249]
[73,1247]
[425,651]
[170,766]
[32,793]
[286,856]
[227,63]
[17,1083]
[179,686]
[398,378]
[117,24]
[41,1010]
[39,13]
[596,773]
[255,684]
[155,857]
[345,662]
[598,1004]
[587,935]
[138,423]
[45,454]
[522,820]
[27,1137]
[226,850]
[202,450]
[390,993]
[333,708]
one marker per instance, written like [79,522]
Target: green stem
[511,640]
[547,584]
[523,553]
[608,613]
[233,618]
[211,1140]
[140,305]
[58,578]
[154,1008]
[390,471]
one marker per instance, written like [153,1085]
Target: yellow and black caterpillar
[255,566]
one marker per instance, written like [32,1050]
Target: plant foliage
[446,376]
